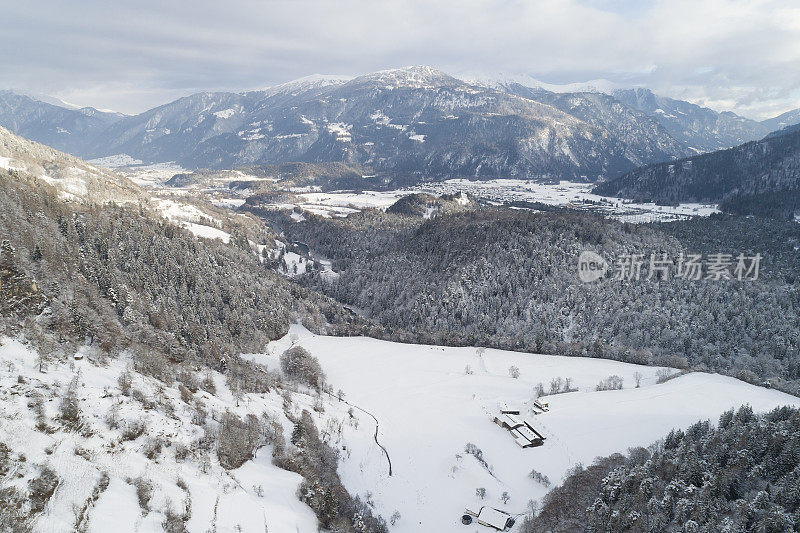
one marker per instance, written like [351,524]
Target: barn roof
[494,518]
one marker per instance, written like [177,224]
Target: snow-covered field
[565,193]
[562,194]
[429,408]
[154,175]
[192,218]
[427,405]
[345,202]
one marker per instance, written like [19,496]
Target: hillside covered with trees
[508,279]
[742,475]
[118,277]
[760,178]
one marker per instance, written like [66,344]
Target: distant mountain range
[64,128]
[699,128]
[408,124]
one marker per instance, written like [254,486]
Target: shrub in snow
[199,413]
[152,448]
[247,377]
[665,374]
[181,452]
[480,492]
[298,364]
[133,429]
[69,409]
[144,492]
[153,364]
[186,394]
[539,478]
[125,382]
[538,392]
[558,385]
[80,451]
[513,371]
[41,488]
[610,383]
[139,396]
[37,406]
[237,439]
[208,384]
[189,380]
[478,454]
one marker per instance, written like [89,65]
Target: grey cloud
[137,54]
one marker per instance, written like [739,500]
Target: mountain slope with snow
[410,122]
[644,138]
[140,456]
[700,128]
[761,178]
[70,129]
[73,178]
[407,122]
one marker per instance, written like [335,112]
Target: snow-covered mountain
[504,79]
[72,130]
[784,120]
[699,128]
[759,178]
[644,138]
[410,123]
[414,121]
[695,128]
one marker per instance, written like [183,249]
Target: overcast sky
[736,55]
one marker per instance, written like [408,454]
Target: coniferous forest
[508,279]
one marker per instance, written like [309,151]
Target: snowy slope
[74,179]
[429,409]
[257,496]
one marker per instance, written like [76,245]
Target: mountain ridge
[422,123]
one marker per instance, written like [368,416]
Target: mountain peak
[411,76]
[314,81]
[504,80]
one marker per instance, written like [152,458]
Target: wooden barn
[490,517]
[521,430]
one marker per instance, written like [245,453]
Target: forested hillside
[509,279]
[742,475]
[120,278]
[761,178]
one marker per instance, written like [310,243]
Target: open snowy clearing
[191,217]
[566,193]
[342,203]
[429,408]
[426,405]
[562,194]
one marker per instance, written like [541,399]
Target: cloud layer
[727,54]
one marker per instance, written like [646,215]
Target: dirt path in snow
[377,426]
